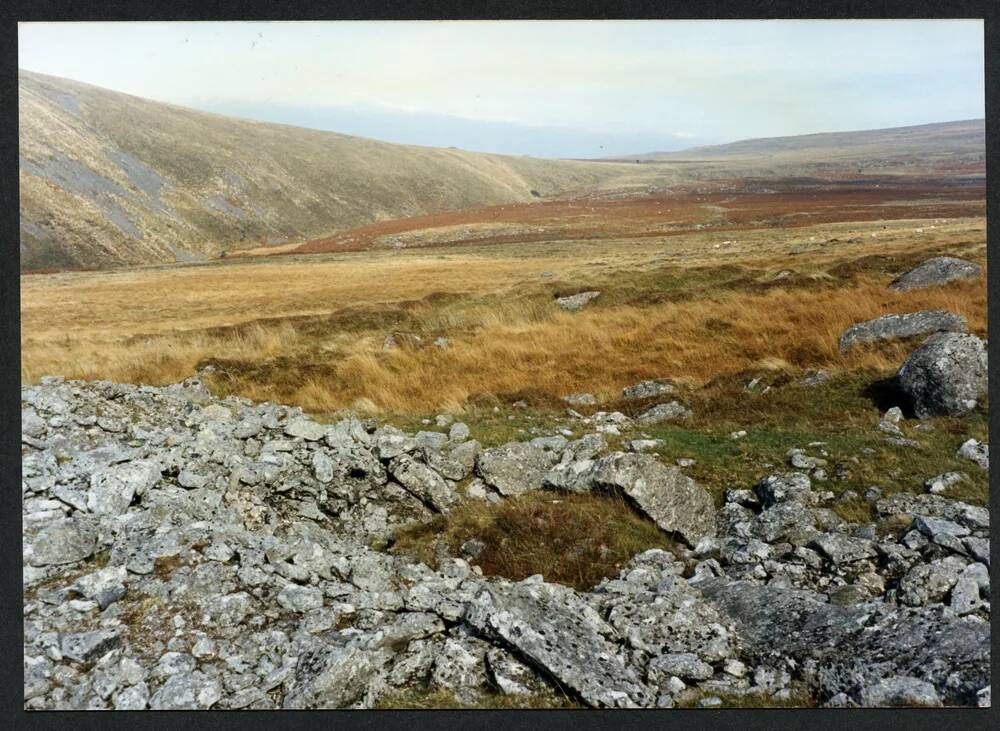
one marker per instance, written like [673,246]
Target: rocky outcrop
[892,327]
[240,571]
[936,271]
[945,376]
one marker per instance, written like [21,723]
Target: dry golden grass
[310,330]
[601,351]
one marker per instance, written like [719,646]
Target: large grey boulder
[514,468]
[945,376]
[891,327]
[553,629]
[674,501]
[939,270]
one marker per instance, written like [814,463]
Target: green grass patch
[843,414]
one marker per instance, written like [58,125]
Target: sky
[542,88]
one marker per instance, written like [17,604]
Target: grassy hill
[111,179]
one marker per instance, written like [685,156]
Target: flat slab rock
[673,500]
[551,628]
[890,327]
[514,468]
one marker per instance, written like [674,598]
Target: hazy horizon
[584,89]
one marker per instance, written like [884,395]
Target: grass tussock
[575,540]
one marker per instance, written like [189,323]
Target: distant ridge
[962,137]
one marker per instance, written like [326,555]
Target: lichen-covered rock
[514,468]
[112,489]
[663,412]
[554,630]
[648,389]
[785,487]
[976,451]
[338,674]
[945,376]
[674,501]
[899,691]
[938,270]
[305,429]
[975,517]
[88,646]
[64,541]
[575,476]
[841,549]
[891,327]
[423,483]
[580,399]
[187,691]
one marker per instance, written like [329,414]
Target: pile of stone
[183,551]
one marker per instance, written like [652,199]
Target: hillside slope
[108,179]
[111,179]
